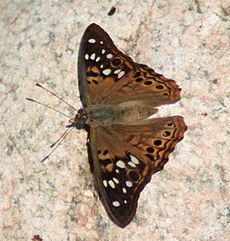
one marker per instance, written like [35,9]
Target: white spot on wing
[116,204]
[93,56]
[101,42]
[125,201]
[97,59]
[134,159]
[124,190]
[115,180]
[92,41]
[121,74]
[105,183]
[120,164]
[109,56]
[106,71]
[117,71]
[117,171]
[111,184]
[86,56]
[132,164]
[128,184]
[102,51]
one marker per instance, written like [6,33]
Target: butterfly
[124,147]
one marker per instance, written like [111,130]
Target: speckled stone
[185,40]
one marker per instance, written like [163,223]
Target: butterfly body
[125,148]
[126,113]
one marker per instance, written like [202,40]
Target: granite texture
[188,41]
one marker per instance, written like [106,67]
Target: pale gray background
[187,40]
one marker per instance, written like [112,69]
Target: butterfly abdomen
[126,112]
[131,111]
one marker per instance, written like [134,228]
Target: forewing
[123,159]
[106,75]
[101,66]
[148,86]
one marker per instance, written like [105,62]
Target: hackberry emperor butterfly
[125,149]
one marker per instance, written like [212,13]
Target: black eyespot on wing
[134,176]
[105,161]
[139,79]
[148,82]
[157,142]
[150,150]
[137,74]
[116,62]
[151,158]
[166,133]
[160,87]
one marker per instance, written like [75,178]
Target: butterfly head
[79,119]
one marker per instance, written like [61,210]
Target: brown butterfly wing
[128,155]
[108,182]
[106,75]
[147,85]
[101,66]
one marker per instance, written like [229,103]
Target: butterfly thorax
[79,119]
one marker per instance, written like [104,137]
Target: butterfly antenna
[56,95]
[57,143]
[49,107]
[60,138]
